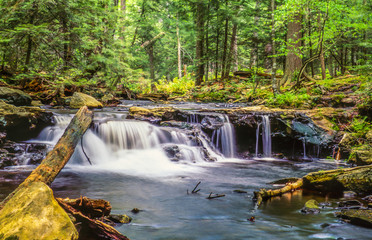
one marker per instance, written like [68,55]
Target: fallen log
[357,179]
[96,227]
[56,159]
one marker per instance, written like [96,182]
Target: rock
[109,99]
[33,213]
[239,191]
[367,198]
[357,217]
[15,97]
[119,218]
[135,210]
[163,113]
[80,99]
[21,123]
[350,204]
[311,207]
[361,155]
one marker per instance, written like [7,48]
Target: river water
[131,170]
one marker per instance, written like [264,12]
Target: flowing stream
[138,165]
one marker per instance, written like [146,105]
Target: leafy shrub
[289,100]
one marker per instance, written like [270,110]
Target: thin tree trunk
[321,53]
[217,46]
[255,40]
[310,44]
[179,53]
[29,38]
[225,47]
[273,69]
[230,57]
[207,44]
[199,42]
[150,53]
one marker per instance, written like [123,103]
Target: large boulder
[21,123]
[79,100]
[15,97]
[33,213]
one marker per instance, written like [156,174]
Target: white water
[266,137]
[224,138]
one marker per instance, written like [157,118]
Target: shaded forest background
[176,46]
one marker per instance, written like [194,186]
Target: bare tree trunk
[255,40]
[230,57]
[199,42]
[224,55]
[179,61]
[310,43]
[150,53]
[273,70]
[321,53]
[207,45]
[217,46]
[293,61]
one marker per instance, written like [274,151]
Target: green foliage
[289,100]
[177,86]
[360,127]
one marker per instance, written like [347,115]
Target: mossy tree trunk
[56,159]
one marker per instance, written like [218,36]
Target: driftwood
[96,227]
[357,179]
[56,159]
[215,196]
[92,208]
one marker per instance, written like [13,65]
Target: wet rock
[311,207]
[161,113]
[173,152]
[135,210]
[350,194]
[350,204]
[119,218]
[33,213]
[285,181]
[239,191]
[79,100]
[212,122]
[110,99]
[21,123]
[357,217]
[7,161]
[15,97]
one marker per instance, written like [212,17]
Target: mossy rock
[311,207]
[33,213]
[15,97]
[164,113]
[21,123]
[361,155]
[360,217]
[79,100]
[120,218]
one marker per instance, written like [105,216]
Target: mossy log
[56,159]
[357,179]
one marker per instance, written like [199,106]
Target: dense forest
[174,46]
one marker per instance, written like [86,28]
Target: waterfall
[128,134]
[304,147]
[224,138]
[266,136]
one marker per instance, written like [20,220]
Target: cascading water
[266,137]
[224,138]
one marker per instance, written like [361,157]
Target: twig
[82,147]
[215,196]
[194,190]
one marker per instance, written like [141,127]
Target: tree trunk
[255,40]
[150,53]
[321,51]
[217,46]
[232,47]
[310,43]
[293,61]
[29,38]
[179,58]
[56,159]
[273,69]
[223,68]
[199,42]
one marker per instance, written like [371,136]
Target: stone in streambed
[15,97]
[358,217]
[33,213]
[79,100]
[120,218]
[311,207]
